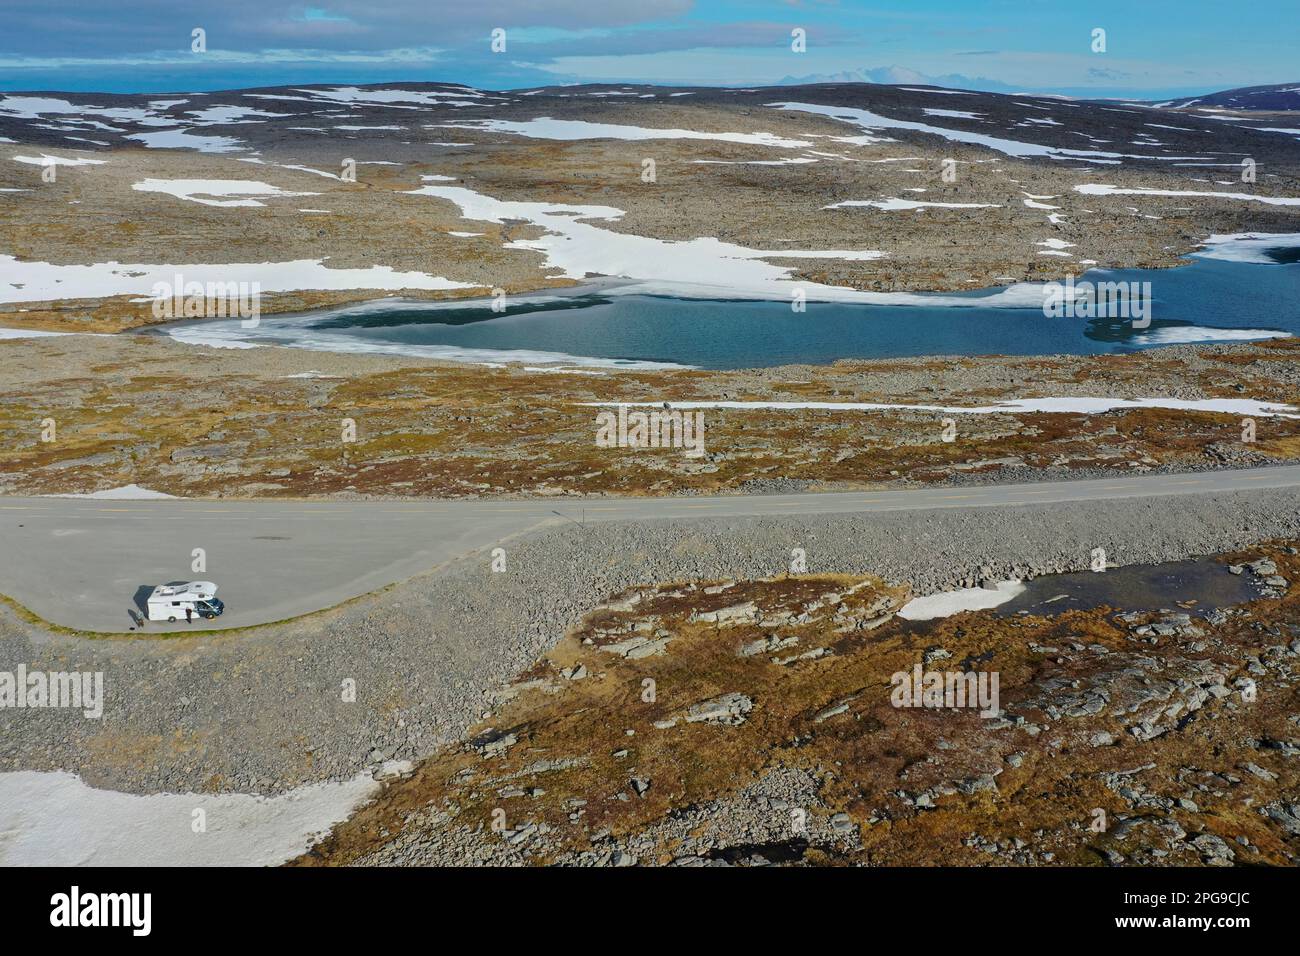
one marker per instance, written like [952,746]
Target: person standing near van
[189,615]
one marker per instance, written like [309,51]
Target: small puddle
[783,851]
[1196,584]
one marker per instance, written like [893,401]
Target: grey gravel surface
[79,562]
[264,711]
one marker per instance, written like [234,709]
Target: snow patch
[948,603]
[544,127]
[37,107]
[874,121]
[1070,405]
[45,159]
[578,246]
[1105,189]
[183,139]
[693,268]
[954,114]
[1181,334]
[1248,246]
[46,282]
[124,493]
[193,190]
[454,96]
[895,205]
[7,333]
[56,819]
[230,115]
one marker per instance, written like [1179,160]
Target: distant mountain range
[900,75]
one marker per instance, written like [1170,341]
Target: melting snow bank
[544,127]
[1104,189]
[1067,406]
[948,603]
[1251,247]
[181,138]
[1183,334]
[874,121]
[124,493]
[896,205]
[45,282]
[55,819]
[195,190]
[311,330]
[8,333]
[45,159]
[692,268]
[297,332]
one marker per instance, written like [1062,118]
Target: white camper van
[169,602]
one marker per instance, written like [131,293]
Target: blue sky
[1153,47]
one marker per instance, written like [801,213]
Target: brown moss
[862,756]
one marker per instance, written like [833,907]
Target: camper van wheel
[172,618]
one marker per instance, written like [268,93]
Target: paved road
[81,562]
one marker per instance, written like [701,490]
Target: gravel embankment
[263,712]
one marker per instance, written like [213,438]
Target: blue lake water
[1206,300]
